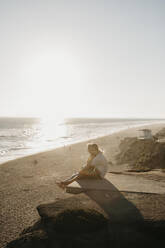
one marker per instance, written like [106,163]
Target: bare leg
[70,178]
[66,182]
[76,176]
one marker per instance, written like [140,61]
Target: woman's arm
[89,170]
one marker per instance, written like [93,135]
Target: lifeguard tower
[145,134]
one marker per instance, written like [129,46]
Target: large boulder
[81,222]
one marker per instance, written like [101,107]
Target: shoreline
[84,141]
[30,181]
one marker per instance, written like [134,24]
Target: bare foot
[61,185]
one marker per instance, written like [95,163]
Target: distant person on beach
[95,168]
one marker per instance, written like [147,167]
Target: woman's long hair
[95,146]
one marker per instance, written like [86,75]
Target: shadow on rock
[96,219]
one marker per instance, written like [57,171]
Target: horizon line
[87,117]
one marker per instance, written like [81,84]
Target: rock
[75,222]
[80,201]
[141,155]
[160,134]
[82,221]
[33,239]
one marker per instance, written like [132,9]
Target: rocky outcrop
[79,221]
[73,222]
[142,155]
[160,134]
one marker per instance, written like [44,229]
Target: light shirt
[100,163]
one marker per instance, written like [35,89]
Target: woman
[95,168]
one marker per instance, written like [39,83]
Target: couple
[96,167]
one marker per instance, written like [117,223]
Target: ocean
[24,136]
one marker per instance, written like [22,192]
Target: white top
[100,163]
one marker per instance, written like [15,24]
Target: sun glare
[54,80]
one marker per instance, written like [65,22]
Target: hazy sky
[94,58]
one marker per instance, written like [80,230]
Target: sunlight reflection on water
[52,129]
[23,136]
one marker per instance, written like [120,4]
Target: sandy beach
[30,181]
